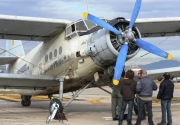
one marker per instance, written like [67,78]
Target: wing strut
[77,93]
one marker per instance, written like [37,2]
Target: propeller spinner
[128,36]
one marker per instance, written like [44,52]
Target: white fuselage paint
[65,64]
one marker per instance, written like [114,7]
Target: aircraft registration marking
[58,63]
[23,69]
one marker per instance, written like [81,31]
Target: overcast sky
[72,10]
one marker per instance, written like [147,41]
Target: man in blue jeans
[128,90]
[165,93]
[145,88]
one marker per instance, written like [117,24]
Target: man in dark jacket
[128,90]
[144,109]
[165,93]
[144,88]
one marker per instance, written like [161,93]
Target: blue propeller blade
[101,23]
[120,62]
[153,49]
[135,13]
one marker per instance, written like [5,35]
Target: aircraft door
[41,68]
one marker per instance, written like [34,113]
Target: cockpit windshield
[90,24]
[78,28]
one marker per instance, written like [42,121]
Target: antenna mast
[87,6]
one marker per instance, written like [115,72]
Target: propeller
[120,63]
[135,12]
[129,36]
[153,49]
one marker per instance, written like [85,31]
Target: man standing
[128,90]
[144,109]
[165,93]
[116,100]
[144,88]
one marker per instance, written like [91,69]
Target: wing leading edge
[158,27]
[30,28]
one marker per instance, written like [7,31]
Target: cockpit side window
[68,30]
[73,27]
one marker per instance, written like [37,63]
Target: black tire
[58,102]
[26,103]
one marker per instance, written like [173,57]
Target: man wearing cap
[165,93]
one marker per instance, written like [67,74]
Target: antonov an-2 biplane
[76,55]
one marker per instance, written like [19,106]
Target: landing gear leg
[55,106]
[26,100]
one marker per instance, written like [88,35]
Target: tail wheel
[26,102]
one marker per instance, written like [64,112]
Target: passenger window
[55,52]
[46,58]
[50,55]
[60,50]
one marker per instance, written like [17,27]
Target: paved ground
[92,107]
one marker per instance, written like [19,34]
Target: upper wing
[158,27]
[21,81]
[30,28]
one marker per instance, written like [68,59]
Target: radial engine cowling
[103,45]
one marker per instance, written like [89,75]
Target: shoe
[129,123]
[169,124]
[161,123]
[115,119]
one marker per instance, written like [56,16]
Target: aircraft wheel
[58,102]
[26,102]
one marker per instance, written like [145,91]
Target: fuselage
[55,58]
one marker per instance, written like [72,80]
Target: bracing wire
[24,59]
[27,62]
[158,44]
